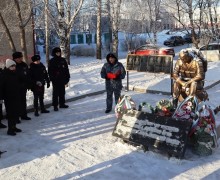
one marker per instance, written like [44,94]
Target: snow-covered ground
[77,143]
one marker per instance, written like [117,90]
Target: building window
[73,39]
[80,39]
[88,38]
[106,37]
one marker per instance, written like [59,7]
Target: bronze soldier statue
[189,77]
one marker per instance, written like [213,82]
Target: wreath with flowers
[164,108]
[187,109]
[203,132]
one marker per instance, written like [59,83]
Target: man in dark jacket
[39,77]
[59,75]
[11,96]
[113,72]
[24,80]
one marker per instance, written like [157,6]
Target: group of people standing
[16,78]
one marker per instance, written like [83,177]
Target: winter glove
[38,83]
[111,76]
[48,84]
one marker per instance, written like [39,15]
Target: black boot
[44,111]
[55,108]
[2,126]
[17,130]
[25,118]
[11,132]
[18,121]
[36,113]
[108,111]
[64,106]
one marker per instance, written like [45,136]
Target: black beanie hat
[16,55]
[55,50]
[35,58]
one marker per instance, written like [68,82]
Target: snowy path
[77,143]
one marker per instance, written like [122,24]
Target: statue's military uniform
[188,75]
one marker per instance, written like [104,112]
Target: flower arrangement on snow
[205,121]
[125,103]
[186,109]
[163,107]
[203,131]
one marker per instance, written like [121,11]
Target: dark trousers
[23,108]
[12,123]
[58,94]
[1,113]
[109,99]
[39,96]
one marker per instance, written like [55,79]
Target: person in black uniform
[59,75]
[39,77]
[24,80]
[11,96]
[1,102]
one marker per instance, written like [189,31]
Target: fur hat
[16,55]
[35,58]
[55,50]
[9,63]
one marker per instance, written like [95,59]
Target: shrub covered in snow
[83,50]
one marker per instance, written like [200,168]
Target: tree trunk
[68,32]
[98,37]
[22,31]
[8,34]
[62,27]
[46,31]
[194,37]
[210,16]
[110,25]
[65,25]
[68,50]
[115,12]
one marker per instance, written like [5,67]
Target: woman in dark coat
[11,96]
[59,75]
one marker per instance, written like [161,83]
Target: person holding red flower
[113,72]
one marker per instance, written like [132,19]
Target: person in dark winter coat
[10,94]
[39,78]
[24,80]
[59,75]
[1,102]
[113,72]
